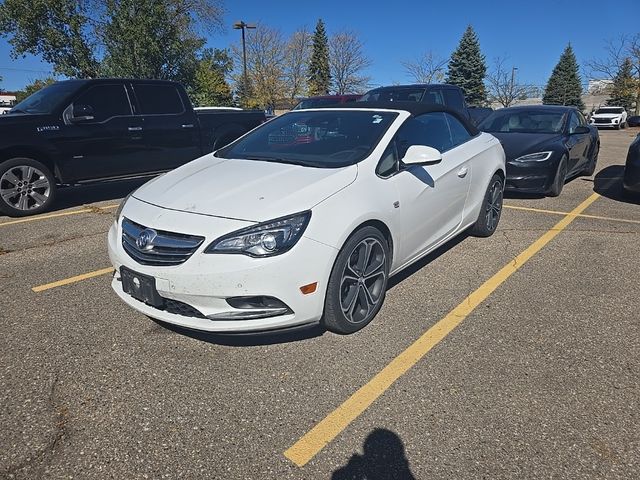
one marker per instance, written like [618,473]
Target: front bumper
[205,281]
[631,179]
[533,177]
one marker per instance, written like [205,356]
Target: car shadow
[608,183]
[253,339]
[515,195]
[69,197]
[383,458]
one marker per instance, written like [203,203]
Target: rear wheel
[358,282]
[491,209]
[559,179]
[27,187]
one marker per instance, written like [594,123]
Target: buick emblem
[145,239]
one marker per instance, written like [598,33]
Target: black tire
[491,209]
[20,195]
[348,284]
[591,167]
[559,178]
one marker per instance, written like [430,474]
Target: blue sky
[532,34]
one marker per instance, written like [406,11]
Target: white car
[304,219]
[615,117]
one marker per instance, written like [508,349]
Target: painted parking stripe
[54,215]
[69,281]
[581,215]
[333,424]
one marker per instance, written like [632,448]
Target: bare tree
[266,61]
[347,62]
[502,85]
[626,46]
[428,68]
[297,59]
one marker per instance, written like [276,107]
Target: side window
[433,97]
[581,119]
[435,131]
[453,99]
[105,102]
[459,133]
[158,99]
[389,162]
[573,122]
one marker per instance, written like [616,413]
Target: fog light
[247,303]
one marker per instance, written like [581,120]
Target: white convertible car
[305,218]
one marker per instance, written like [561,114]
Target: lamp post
[241,25]
[513,76]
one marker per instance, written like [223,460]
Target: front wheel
[490,210]
[358,282]
[559,179]
[27,187]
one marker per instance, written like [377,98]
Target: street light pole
[513,75]
[241,25]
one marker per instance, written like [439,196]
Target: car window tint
[581,119]
[459,133]
[453,98]
[106,101]
[158,99]
[573,122]
[433,97]
[388,164]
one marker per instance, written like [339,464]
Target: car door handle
[463,172]
[187,125]
[135,129]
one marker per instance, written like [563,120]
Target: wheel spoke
[11,178]
[38,198]
[27,173]
[7,193]
[40,183]
[363,300]
[23,203]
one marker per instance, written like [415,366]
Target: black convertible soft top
[414,108]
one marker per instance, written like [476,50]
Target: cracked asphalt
[540,381]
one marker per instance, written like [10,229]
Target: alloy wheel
[24,187]
[363,281]
[494,205]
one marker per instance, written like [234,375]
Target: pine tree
[467,68]
[319,76]
[564,87]
[625,87]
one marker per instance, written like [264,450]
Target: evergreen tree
[564,87]
[210,87]
[319,76]
[625,87]
[467,68]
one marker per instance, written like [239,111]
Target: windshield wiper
[275,160]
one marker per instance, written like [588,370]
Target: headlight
[534,157]
[121,206]
[265,239]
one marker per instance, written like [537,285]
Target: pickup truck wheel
[27,187]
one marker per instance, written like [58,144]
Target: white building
[7,99]
[599,86]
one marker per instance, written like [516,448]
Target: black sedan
[545,145]
[631,180]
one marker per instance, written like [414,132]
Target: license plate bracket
[141,287]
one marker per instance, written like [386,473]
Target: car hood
[248,190]
[517,144]
[607,115]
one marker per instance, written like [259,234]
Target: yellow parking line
[581,215]
[333,424]
[54,215]
[68,281]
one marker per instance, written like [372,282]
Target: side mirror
[422,155]
[581,130]
[82,113]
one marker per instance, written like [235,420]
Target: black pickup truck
[80,131]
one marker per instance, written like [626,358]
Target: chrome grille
[164,249]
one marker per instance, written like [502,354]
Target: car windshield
[609,110]
[46,99]
[523,122]
[321,139]
[393,95]
[315,102]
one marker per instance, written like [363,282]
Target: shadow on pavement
[383,459]
[249,339]
[608,183]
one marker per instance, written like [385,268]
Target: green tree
[210,87]
[319,72]
[467,68]
[564,86]
[33,87]
[625,87]
[57,30]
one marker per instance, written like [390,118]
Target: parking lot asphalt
[539,380]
